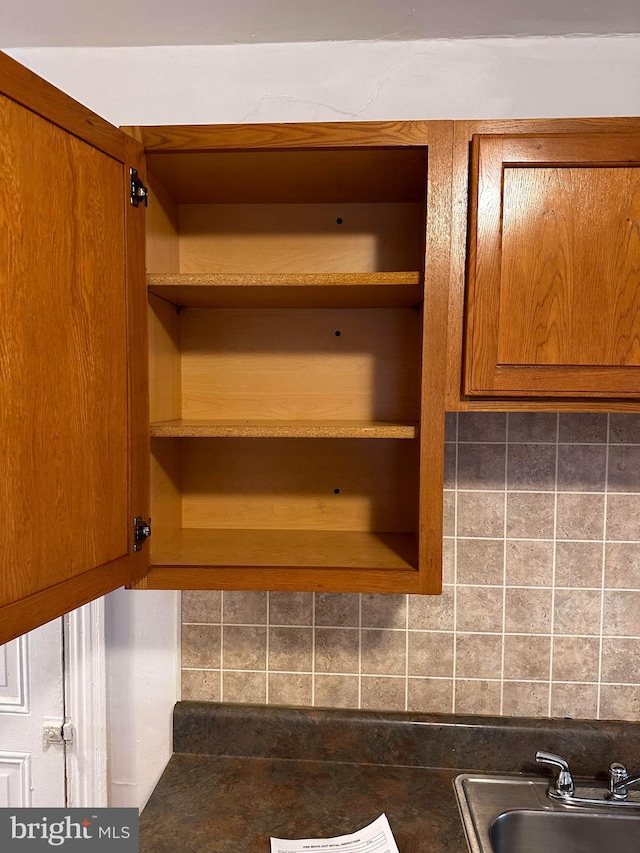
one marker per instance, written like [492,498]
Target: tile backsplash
[540,612]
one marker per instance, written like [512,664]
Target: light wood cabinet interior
[286,352]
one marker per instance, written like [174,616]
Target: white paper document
[375,838]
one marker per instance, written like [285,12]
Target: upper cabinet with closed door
[73,410]
[553,260]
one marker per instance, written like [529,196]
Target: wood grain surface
[554,266]
[64,493]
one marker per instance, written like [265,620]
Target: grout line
[406,653]
[477,632]
[602,584]
[455,571]
[267,649]
[359,705]
[504,564]
[222,646]
[429,678]
[553,568]
[313,649]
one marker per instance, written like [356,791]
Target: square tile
[448,560]
[337,609]
[621,613]
[477,697]
[290,689]
[528,611]
[247,608]
[430,655]
[580,516]
[432,612]
[525,699]
[290,649]
[624,468]
[478,656]
[624,428]
[481,514]
[620,661]
[623,517]
[244,687]
[202,606]
[430,695]
[382,694]
[449,513]
[531,467]
[527,657]
[244,647]
[291,608]
[529,515]
[582,467]
[450,426]
[383,652]
[577,701]
[620,702]
[579,564]
[480,561]
[622,565]
[450,466]
[576,658]
[201,646]
[583,427]
[529,563]
[533,426]
[337,650]
[577,611]
[482,426]
[384,611]
[200,685]
[479,609]
[481,466]
[335,691]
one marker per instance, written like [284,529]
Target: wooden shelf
[288,290]
[288,549]
[220,428]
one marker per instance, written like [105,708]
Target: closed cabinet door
[553,289]
[71,392]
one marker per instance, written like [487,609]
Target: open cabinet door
[73,420]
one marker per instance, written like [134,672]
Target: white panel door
[31,691]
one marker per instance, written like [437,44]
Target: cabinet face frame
[564,389]
[436,137]
[85,139]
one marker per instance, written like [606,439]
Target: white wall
[142,636]
[490,78]
[344,81]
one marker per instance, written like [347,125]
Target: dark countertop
[234,805]
[241,774]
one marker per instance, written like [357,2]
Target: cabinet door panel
[554,273]
[65,415]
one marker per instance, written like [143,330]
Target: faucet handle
[564,781]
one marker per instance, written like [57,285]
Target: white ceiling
[69,23]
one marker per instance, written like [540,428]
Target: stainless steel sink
[513,814]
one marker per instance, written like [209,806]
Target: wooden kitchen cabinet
[553,262]
[289,419]
[296,338]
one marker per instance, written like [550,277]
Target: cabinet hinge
[139,193]
[57,731]
[141,532]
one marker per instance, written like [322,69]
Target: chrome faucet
[563,786]
[620,781]
[564,790]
